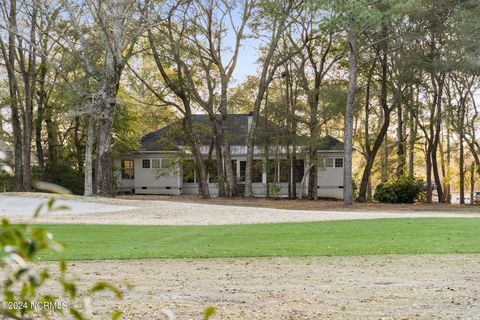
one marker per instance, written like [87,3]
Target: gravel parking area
[362,287]
[161,212]
[13,206]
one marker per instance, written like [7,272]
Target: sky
[248,55]
[247,61]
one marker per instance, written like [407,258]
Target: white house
[164,164]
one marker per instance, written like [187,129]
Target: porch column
[264,171]
[238,169]
[179,170]
[306,164]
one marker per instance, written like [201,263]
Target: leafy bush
[60,174]
[6,181]
[274,189]
[403,190]
[240,189]
[64,175]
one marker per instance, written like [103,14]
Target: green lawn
[364,237]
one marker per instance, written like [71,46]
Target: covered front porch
[167,173]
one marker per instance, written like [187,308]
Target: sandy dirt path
[362,287]
[157,212]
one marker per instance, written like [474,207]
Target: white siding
[157,180]
[330,179]
[163,181]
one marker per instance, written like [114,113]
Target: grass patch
[359,237]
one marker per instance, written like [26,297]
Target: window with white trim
[329,162]
[127,169]
[338,162]
[146,163]
[298,170]
[156,163]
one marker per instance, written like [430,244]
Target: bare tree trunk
[104,160]
[39,119]
[371,154]
[220,172]
[448,195]
[289,162]
[52,144]
[362,193]
[27,141]
[411,144]
[400,142]
[472,183]
[88,186]
[461,164]
[251,139]
[436,139]
[348,120]
[365,182]
[428,168]
[461,168]
[79,152]
[444,171]
[227,156]
[385,153]
[9,53]
[201,170]
[305,175]
[369,190]
[29,81]
[314,136]
[103,166]
[38,141]
[473,147]
[294,183]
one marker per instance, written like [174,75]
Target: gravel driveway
[362,287]
[14,206]
[156,212]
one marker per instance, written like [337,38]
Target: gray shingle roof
[170,137]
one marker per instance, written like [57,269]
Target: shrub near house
[403,190]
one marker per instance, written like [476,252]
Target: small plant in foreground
[19,246]
[24,285]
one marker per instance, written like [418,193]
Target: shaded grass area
[358,237]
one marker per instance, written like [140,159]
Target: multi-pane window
[156,163]
[243,167]
[298,170]
[284,171]
[329,162]
[146,163]
[257,171]
[338,162]
[234,168]
[127,169]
